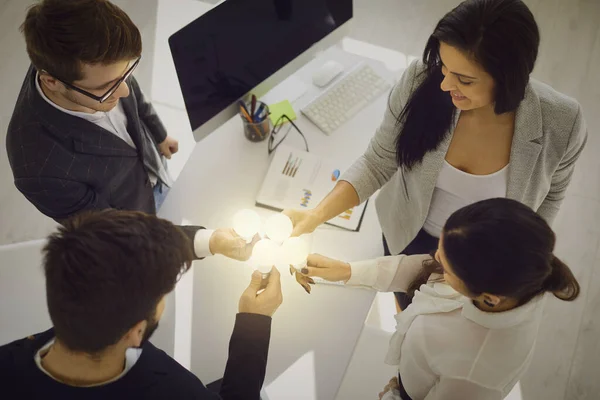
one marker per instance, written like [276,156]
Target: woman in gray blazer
[463,125]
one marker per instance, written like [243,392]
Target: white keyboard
[342,101]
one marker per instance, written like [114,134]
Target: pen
[259,111]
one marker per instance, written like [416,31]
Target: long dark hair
[502,247]
[502,36]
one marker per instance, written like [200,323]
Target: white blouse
[456,189]
[444,346]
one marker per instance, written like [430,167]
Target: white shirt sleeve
[387,274]
[202,243]
[460,389]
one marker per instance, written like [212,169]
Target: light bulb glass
[264,269]
[294,251]
[264,255]
[279,227]
[246,223]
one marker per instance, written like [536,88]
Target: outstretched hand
[304,221]
[228,243]
[322,267]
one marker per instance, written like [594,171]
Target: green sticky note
[281,108]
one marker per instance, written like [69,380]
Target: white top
[114,121]
[456,189]
[132,355]
[444,346]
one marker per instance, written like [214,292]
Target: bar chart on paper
[298,179]
[291,166]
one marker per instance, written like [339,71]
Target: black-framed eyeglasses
[277,132]
[110,92]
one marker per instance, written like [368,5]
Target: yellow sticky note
[281,108]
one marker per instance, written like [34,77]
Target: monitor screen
[231,49]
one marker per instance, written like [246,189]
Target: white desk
[313,337]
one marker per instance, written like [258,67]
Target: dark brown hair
[502,36]
[106,271]
[502,247]
[63,34]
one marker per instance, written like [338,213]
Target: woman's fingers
[303,281]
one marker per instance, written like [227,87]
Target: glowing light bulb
[246,223]
[264,256]
[295,251]
[279,227]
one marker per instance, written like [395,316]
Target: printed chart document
[297,179]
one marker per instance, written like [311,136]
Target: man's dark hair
[63,34]
[108,270]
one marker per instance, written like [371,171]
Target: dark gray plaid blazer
[64,164]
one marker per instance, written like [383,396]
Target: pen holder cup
[259,130]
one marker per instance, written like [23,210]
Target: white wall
[19,220]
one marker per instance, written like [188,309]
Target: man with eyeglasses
[82,135]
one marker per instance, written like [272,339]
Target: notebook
[300,180]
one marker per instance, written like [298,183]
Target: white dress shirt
[444,346]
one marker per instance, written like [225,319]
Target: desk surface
[313,336]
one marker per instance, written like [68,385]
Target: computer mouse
[324,75]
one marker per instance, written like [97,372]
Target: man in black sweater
[82,135]
[107,276]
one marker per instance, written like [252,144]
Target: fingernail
[291,272]
[311,281]
[307,291]
[305,270]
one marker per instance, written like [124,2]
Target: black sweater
[154,376]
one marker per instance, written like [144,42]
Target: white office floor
[567,358]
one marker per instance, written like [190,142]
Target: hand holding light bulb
[294,252]
[228,243]
[265,302]
[264,256]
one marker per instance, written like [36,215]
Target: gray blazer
[550,134]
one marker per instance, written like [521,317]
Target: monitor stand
[292,88]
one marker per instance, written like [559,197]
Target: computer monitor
[249,46]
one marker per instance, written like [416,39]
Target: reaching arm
[341,198]
[370,172]
[378,164]
[562,176]
[247,362]
[387,274]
